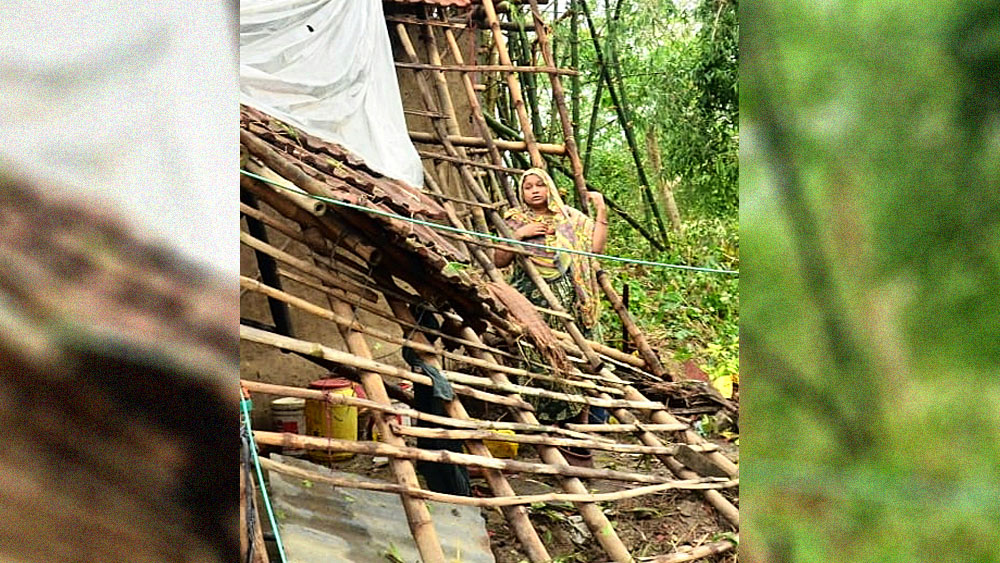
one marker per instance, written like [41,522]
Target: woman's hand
[532,230]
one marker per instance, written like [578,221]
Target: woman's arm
[502,258]
[600,222]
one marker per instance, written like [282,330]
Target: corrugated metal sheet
[320,523]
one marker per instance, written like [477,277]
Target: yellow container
[502,449]
[332,421]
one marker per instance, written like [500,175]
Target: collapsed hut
[346,271]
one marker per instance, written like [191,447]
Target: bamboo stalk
[690,437]
[333,230]
[418,432]
[652,361]
[307,267]
[667,188]
[316,395]
[417,515]
[469,162]
[517,516]
[527,69]
[259,548]
[625,123]
[721,504]
[477,111]
[317,477]
[559,100]
[463,141]
[366,365]
[592,514]
[515,88]
[352,324]
[628,428]
[400,452]
[312,205]
[695,553]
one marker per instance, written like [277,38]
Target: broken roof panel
[322,523]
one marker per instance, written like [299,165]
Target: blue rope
[485,235]
[260,479]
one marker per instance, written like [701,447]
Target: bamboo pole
[259,548]
[721,504]
[477,110]
[666,187]
[625,123]
[417,515]
[628,428]
[353,324]
[574,63]
[312,205]
[333,230]
[695,553]
[515,89]
[469,162]
[402,452]
[472,424]
[463,141]
[652,361]
[495,502]
[559,99]
[592,128]
[527,69]
[355,361]
[307,267]
[521,50]
[517,516]
[418,432]
[690,437]
[593,516]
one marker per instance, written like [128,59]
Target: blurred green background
[870,283]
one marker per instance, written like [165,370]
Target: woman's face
[535,192]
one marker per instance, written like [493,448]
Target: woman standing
[544,219]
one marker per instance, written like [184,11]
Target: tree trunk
[666,187]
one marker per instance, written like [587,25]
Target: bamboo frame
[604,385]
[494,502]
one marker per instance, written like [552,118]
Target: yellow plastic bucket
[332,421]
[502,449]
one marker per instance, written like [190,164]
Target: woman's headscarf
[571,229]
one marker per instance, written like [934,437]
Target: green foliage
[871,321]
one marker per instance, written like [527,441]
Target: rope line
[260,479]
[484,235]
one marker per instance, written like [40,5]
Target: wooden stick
[317,395]
[627,428]
[420,432]
[485,68]
[307,267]
[469,162]
[652,361]
[721,504]
[317,477]
[453,198]
[512,84]
[592,514]
[463,141]
[444,456]
[476,110]
[691,437]
[310,204]
[333,230]
[358,362]
[692,554]
[417,515]
[559,99]
[517,516]
[301,304]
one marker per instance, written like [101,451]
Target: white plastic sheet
[133,105]
[326,66]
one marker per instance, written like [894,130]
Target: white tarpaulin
[326,66]
[133,105]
